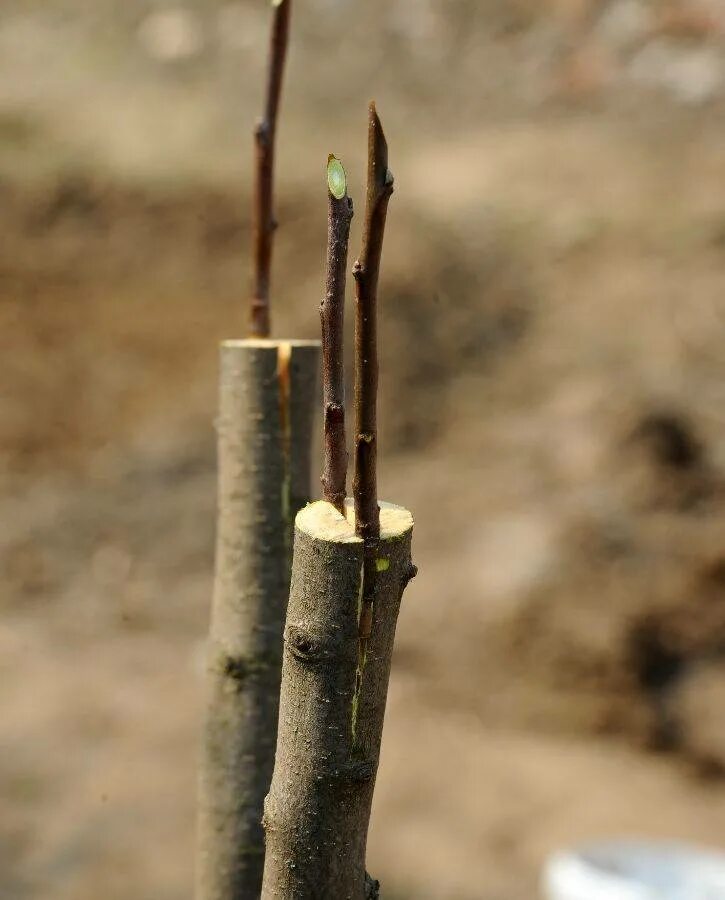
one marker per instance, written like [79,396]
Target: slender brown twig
[332,315]
[366,272]
[264,223]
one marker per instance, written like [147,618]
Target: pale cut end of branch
[319,520]
[336,177]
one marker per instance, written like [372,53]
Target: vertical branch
[332,315]
[267,400]
[366,272]
[263,221]
[317,812]
[336,663]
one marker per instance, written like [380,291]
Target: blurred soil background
[553,328]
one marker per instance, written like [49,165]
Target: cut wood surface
[332,705]
[268,400]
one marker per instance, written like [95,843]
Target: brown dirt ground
[553,330]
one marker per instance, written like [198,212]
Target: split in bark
[318,810]
[332,315]
[263,221]
[267,401]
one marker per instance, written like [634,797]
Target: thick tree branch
[332,315]
[263,221]
[268,394]
[317,811]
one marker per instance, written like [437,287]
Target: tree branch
[366,272]
[332,315]
[267,399]
[263,222]
[317,812]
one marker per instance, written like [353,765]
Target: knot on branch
[334,414]
[262,133]
[372,888]
[357,271]
[355,770]
[409,574]
[306,646]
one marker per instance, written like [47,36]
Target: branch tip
[336,177]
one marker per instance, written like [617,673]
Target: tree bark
[331,712]
[268,398]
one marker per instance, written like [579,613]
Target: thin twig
[366,272]
[332,315]
[264,223]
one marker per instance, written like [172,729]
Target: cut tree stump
[268,404]
[332,705]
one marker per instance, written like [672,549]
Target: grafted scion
[332,316]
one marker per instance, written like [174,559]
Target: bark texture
[331,713]
[268,397]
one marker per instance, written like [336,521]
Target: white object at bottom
[632,870]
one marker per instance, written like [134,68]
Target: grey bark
[332,707]
[268,398]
